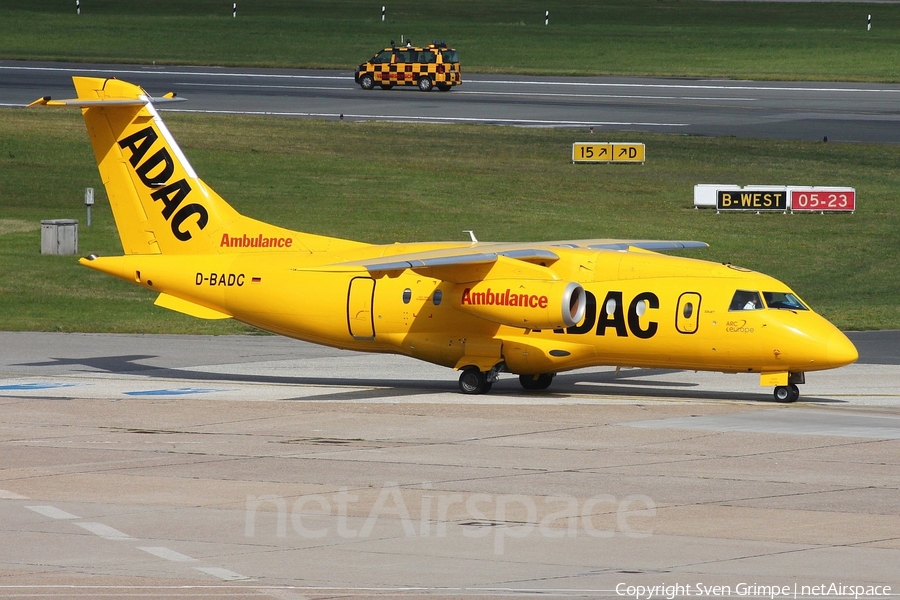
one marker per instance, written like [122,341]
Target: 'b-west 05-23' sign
[752,199]
[782,198]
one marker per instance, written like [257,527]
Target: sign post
[89,202]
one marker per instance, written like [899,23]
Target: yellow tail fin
[159,204]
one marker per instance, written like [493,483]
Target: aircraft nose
[840,350]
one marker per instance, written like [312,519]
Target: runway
[812,111]
[239,466]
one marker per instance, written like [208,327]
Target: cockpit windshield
[745,300]
[783,300]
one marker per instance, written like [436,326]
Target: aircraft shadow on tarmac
[604,383]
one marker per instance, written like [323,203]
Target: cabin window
[783,300]
[745,300]
[407,295]
[688,310]
[437,297]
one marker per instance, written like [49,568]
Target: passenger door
[360,319]
[687,315]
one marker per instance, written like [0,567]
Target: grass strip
[684,38]
[380,182]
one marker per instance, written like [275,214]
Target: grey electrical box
[59,236]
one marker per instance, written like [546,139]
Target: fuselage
[643,309]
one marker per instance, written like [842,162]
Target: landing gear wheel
[367,82]
[536,382]
[787,393]
[425,84]
[473,381]
[444,87]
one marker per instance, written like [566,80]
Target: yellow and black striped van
[435,65]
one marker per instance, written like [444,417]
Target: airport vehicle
[435,65]
[532,309]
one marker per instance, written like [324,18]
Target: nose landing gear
[787,393]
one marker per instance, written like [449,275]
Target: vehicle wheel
[787,393]
[425,84]
[473,381]
[444,87]
[387,86]
[367,82]
[536,382]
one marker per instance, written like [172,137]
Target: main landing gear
[536,382]
[473,380]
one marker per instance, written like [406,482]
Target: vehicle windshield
[783,300]
[383,57]
[449,56]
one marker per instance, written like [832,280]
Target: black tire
[444,87]
[366,81]
[473,381]
[787,393]
[536,382]
[425,84]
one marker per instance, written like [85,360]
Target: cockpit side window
[783,300]
[745,300]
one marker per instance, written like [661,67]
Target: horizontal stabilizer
[88,102]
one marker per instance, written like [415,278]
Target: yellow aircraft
[533,309]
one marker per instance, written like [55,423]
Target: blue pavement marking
[35,386]
[172,392]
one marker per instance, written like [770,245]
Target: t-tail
[159,204]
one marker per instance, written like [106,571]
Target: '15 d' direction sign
[607,152]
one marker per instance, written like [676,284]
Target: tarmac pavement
[257,466]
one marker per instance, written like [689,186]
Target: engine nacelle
[531,304]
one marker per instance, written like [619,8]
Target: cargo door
[687,316]
[360,319]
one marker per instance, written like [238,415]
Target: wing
[469,262]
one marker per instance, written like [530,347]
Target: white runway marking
[104,531]
[7,495]
[415,119]
[165,553]
[223,574]
[52,512]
